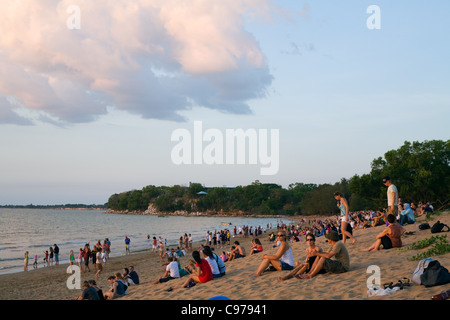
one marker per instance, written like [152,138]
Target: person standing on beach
[186,241]
[94,257]
[35,263]
[80,258]
[392,196]
[46,258]
[345,219]
[51,256]
[98,262]
[154,245]
[127,245]
[56,251]
[86,256]
[71,259]
[25,262]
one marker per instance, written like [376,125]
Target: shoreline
[12,261]
[239,214]
[50,283]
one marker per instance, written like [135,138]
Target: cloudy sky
[92,93]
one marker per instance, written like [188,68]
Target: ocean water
[35,230]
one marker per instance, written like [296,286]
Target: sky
[102,97]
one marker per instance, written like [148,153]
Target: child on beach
[98,263]
[35,263]
[46,258]
[25,262]
[80,257]
[71,258]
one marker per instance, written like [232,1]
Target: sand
[49,283]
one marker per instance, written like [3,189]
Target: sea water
[36,230]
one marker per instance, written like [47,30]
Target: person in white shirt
[172,271]
[217,265]
[392,196]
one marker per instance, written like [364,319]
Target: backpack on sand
[420,269]
[438,226]
[430,273]
[424,226]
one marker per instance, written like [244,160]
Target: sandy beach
[49,283]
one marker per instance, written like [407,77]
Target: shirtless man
[237,252]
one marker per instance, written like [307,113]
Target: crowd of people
[206,265]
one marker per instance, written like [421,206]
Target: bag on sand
[430,272]
[424,226]
[421,266]
[438,227]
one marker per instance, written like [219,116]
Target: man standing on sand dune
[392,196]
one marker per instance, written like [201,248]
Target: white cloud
[149,57]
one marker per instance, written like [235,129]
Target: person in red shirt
[202,274]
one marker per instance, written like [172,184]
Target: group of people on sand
[50,256]
[317,261]
[97,256]
[119,284]
[205,266]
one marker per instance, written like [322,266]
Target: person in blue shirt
[127,245]
[133,277]
[407,215]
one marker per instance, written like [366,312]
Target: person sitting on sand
[390,237]
[214,260]
[94,285]
[309,261]
[133,277]
[282,260]
[172,271]
[338,251]
[256,246]
[407,215]
[224,256]
[237,252]
[117,288]
[202,274]
[379,218]
[89,292]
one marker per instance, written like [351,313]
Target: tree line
[420,170]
